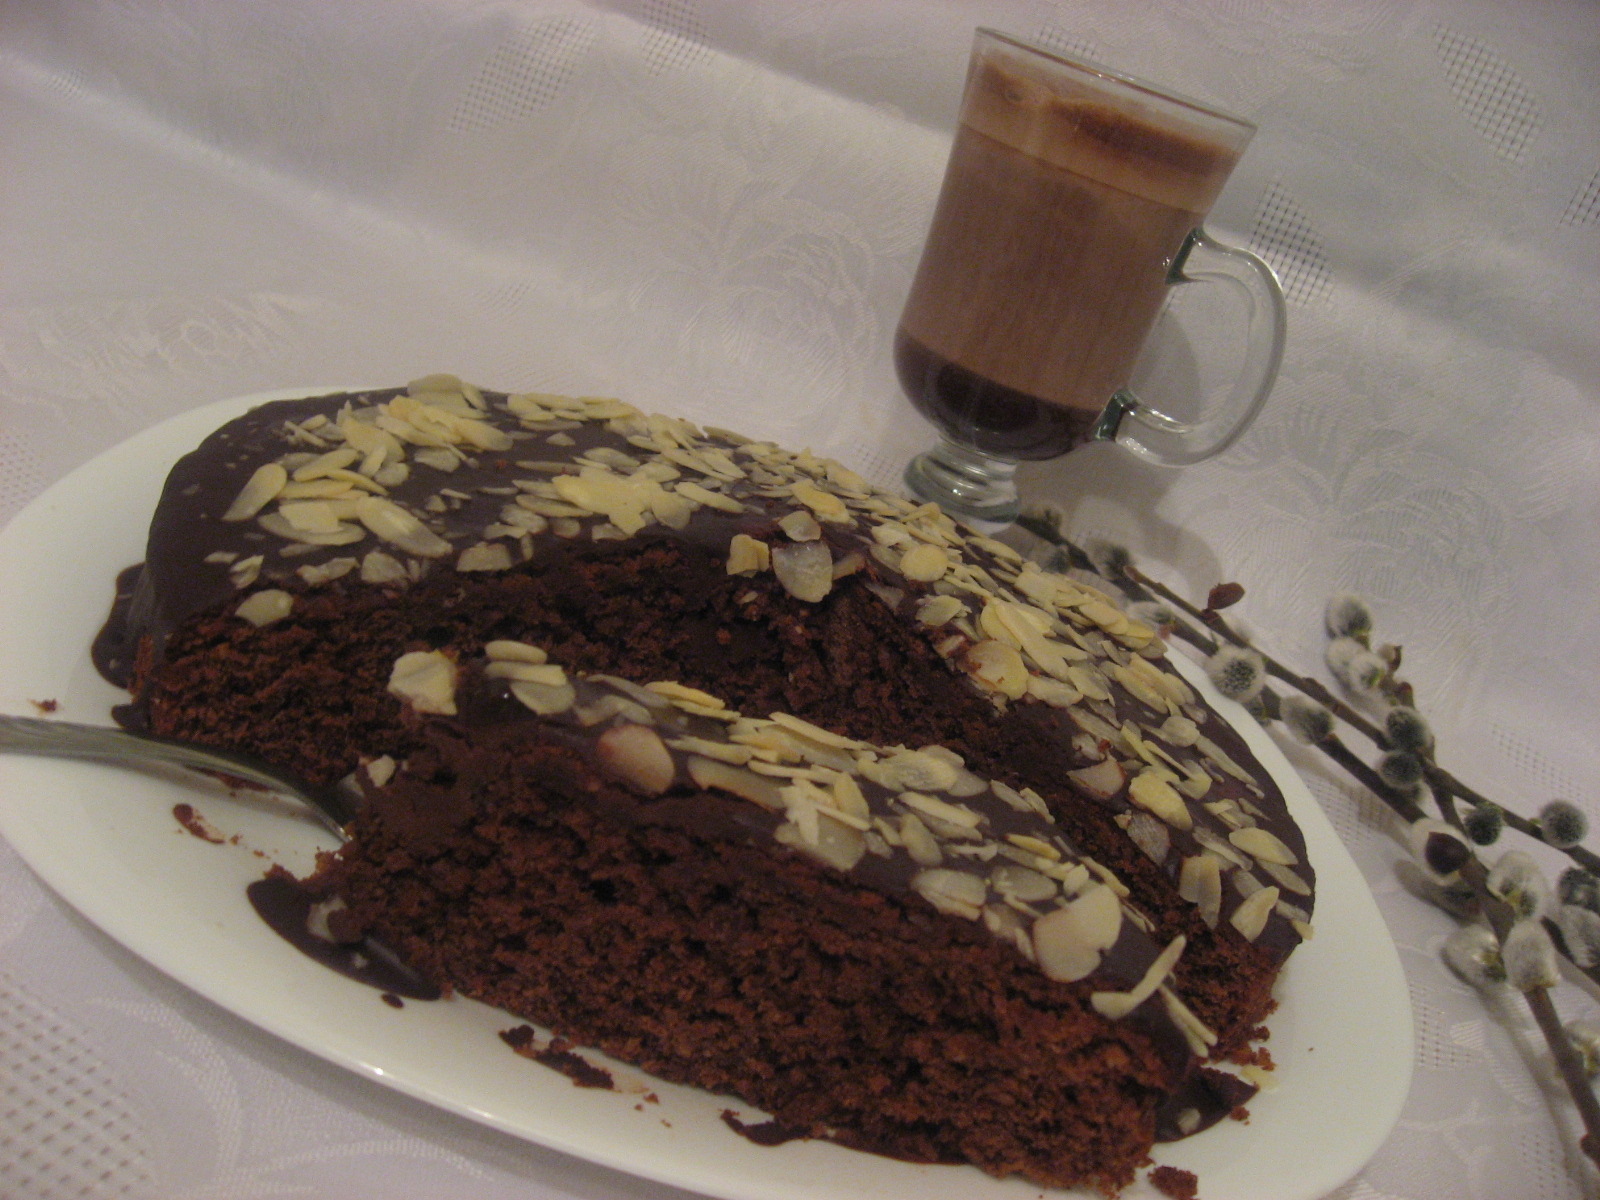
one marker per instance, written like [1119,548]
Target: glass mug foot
[968,485]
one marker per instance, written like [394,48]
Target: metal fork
[334,806]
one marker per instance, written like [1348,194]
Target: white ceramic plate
[107,841]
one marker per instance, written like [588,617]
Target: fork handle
[101,743]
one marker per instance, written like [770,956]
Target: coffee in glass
[1072,202]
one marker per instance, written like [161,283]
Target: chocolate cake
[712,756]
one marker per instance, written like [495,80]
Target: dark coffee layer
[985,415]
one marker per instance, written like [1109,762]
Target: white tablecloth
[713,208]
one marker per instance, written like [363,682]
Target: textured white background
[714,208]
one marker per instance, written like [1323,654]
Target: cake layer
[638,868]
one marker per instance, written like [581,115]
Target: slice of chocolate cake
[714,756]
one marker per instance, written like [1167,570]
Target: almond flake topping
[1117,1005]
[427,680]
[1155,795]
[925,563]
[259,491]
[1020,633]
[265,607]
[396,526]
[805,569]
[1068,941]
[1250,918]
[1263,846]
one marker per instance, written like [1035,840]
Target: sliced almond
[727,752]
[805,569]
[919,842]
[1200,883]
[260,490]
[925,563]
[378,567]
[998,667]
[747,555]
[1068,940]
[550,674]
[636,755]
[1103,780]
[1116,1005]
[934,611]
[426,679]
[1150,835]
[934,809]
[1287,878]
[800,526]
[543,698]
[959,893]
[693,491]
[265,607]
[911,771]
[1263,846]
[711,773]
[1250,918]
[1155,795]
[398,527]
[839,846]
[827,506]
[680,693]
[485,556]
[509,651]
[1023,883]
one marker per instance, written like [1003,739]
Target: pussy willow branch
[1495,911]
[1543,1008]
[1444,786]
[1400,803]
[1441,782]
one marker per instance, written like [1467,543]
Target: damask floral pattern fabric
[714,209]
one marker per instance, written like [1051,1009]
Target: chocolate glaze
[1209,1095]
[115,645]
[191,549]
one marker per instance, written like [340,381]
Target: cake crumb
[559,1055]
[45,707]
[1252,1056]
[191,820]
[1180,1185]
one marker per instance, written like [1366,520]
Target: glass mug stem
[974,486]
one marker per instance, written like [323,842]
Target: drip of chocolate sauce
[1211,1093]
[763,1133]
[285,905]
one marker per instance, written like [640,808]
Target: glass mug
[1072,202]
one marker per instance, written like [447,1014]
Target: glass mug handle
[1150,433]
